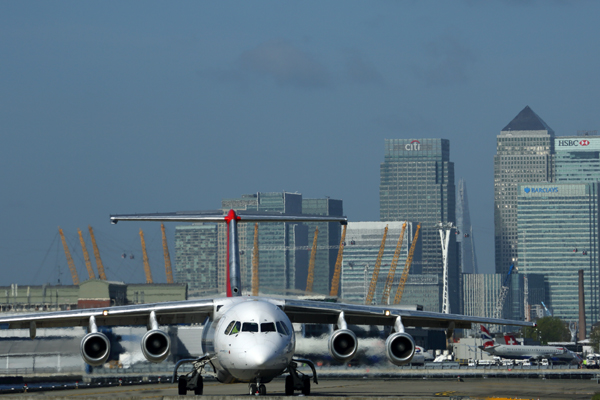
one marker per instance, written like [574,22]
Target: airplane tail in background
[510,340]
[234,284]
[488,340]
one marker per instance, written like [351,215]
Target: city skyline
[175,107]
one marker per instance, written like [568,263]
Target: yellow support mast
[335,282]
[311,265]
[86,256]
[404,276]
[375,276]
[392,272]
[72,268]
[255,281]
[99,264]
[168,269]
[147,270]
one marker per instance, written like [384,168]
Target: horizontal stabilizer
[221,216]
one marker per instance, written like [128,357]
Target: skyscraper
[558,236]
[417,184]
[524,153]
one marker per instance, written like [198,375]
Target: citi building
[417,184]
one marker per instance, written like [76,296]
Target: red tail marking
[510,340]
[230,217]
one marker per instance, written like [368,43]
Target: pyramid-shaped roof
[527,120]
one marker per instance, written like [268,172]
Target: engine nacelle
[343,345]
[400,348]
[156,345]
[95,348]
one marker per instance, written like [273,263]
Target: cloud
[447,61]
[360,71]
[286,64]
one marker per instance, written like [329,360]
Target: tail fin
[488,340]
[234,284]
[510,339]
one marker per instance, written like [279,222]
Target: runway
[468,388]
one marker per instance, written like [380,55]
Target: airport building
[417,184]
[558,236]
[524,154]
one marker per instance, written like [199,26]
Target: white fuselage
[249,339]
[525,352]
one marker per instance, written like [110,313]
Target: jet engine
[343,345]
[400,348]
[156,345]
[95,348]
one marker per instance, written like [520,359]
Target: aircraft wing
[320,312]
[168,313]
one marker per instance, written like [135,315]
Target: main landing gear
[193,380]
[296,380]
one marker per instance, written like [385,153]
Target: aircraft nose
[261,356]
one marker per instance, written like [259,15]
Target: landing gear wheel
[262,390]
[306,386]
[199,386]
[289,385]
[252,389]
[182,385]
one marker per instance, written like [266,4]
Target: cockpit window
[236,328]
[267,327]
[281,328]
[250,327]
[229,327]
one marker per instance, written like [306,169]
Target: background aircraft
[514,351]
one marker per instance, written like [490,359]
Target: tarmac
[349,388]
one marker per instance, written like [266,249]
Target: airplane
[245,338]
[513,351]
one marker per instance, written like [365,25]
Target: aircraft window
[250,327]
[229,327]
[281,328]
[267,327]
[236,328]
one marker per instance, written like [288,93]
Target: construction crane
[168,269]
[375,276]
[147,270]
[335,282]
[407,265]
[503,293]
[69,258]
[99,265]
[311,265]
[255,281]
[86,256]
[390,278]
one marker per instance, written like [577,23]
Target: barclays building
[558,236]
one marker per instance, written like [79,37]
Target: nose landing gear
[257,389]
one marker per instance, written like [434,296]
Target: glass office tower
[523,154]
[417,184]
[577,158]
[196,258]
[558,236]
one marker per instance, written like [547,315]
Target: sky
[123,107]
